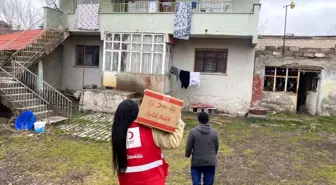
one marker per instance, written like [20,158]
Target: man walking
[202,145]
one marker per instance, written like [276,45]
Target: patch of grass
[323,173]
[329,172]
[251,158]
[63,159]
[225,149]
[306,137]
[58,157]
[283,125]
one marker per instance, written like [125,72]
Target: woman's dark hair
[203,118]
[125,114]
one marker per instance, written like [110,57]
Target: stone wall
[297,41]
[103,100]
[309,53]
[279,101]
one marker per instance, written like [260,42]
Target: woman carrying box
[137,155]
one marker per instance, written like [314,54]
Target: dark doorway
[5,114]
[307,94]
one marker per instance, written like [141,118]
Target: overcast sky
[309,17]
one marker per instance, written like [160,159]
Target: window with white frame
[137,53]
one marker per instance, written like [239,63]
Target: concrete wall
[202,23]
[229,92]
[313,58]
[53,18]
[140,82]
[328,95]
[243,21]
[52,68]
[72,75]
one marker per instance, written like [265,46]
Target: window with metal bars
[87,55]
[211,60]
[279,79]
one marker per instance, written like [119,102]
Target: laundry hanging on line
[195,78]
[187,78]
[175,71]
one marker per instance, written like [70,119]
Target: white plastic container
[39,127]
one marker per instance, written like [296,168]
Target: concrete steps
[14,90]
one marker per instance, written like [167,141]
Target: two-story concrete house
[130,45]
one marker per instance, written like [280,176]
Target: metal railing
[198,6]
[40,40]
[29,52]
[20,96]
[56,99]
[147,6]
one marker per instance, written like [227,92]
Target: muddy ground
[286,149]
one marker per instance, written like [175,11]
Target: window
[137,53]
[87,56]
[281,79]
[211,61]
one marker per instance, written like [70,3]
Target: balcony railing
[199,6]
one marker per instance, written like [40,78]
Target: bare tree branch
[20,14]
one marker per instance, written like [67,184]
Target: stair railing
[12,88]
[24,49]
[56,99]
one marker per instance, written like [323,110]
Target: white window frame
[166,53]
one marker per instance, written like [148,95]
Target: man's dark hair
[203,118]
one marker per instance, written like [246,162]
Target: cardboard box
[159,111]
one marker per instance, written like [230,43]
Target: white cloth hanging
[195,78]
[153,7]
[87,17]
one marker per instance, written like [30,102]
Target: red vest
[145,163]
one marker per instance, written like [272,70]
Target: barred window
[281,79]
[211,61]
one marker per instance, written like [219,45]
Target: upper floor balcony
[210,18]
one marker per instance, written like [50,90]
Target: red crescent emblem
[130,135]
[151,103]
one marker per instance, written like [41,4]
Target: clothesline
[187,78]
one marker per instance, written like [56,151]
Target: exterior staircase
[21,89]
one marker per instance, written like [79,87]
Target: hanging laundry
[153,7]
[195,78]
[182,25]
[87,17]
[194,5]
[185,79]
[175,71]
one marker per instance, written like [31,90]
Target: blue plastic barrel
[25,121]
